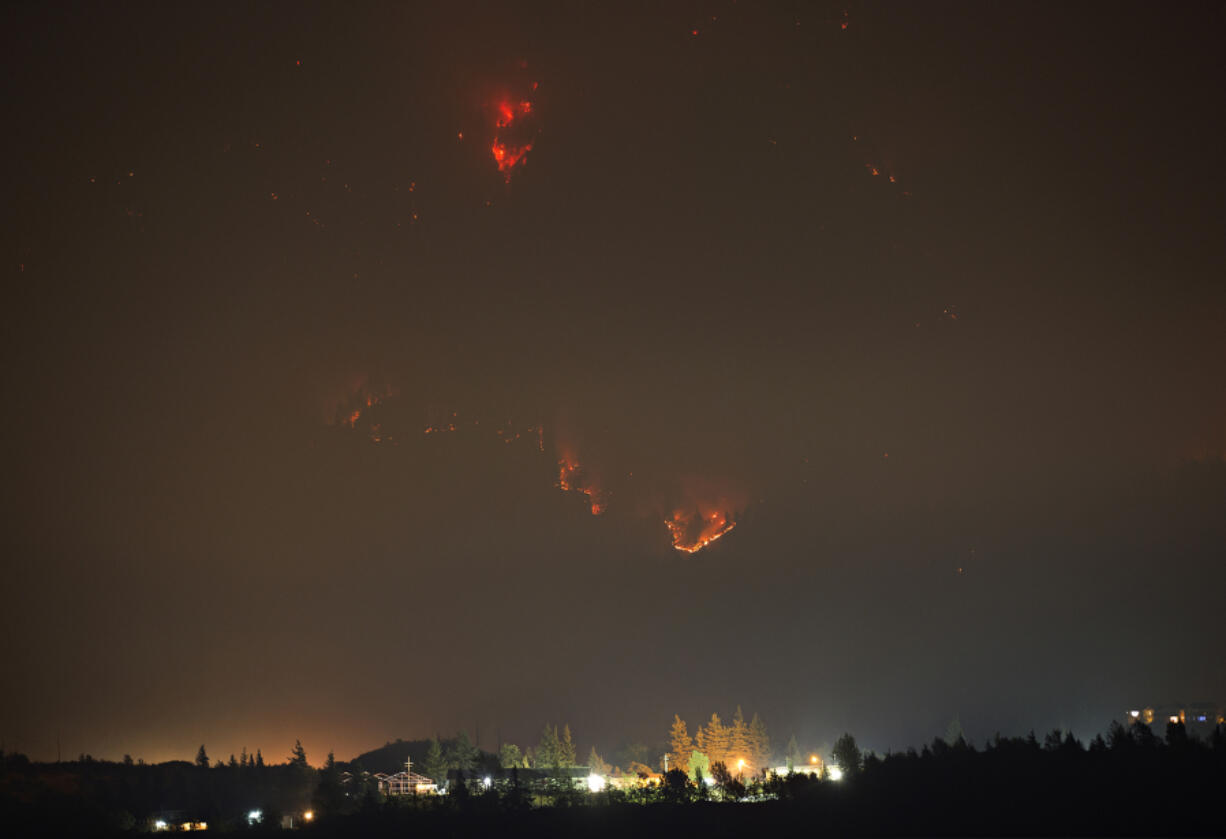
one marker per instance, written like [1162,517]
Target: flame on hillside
[693,530]
[512,141]
[572,477]
[361,400]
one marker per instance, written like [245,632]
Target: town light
[308,815]
[486,782]
[255,816]
[595,783]
[159,825]
[812,758]
[836,774]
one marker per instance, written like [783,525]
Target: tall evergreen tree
[298,756]
[759,744]
[846,755]
[330,794]
[793,755]
[259,759]
[548,751]
[680,746]
[509,756]
[242,758]
[202,757]
[715,740]
[738,740]
[434,766]
[566,748]
[597,765]
[462,754]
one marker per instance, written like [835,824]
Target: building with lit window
[405,783]
[1198,718]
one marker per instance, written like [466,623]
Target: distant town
[715,762]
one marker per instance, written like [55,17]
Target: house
[407,782]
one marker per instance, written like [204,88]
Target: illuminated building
[1198,718]
[407,782]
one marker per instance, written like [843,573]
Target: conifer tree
[509,756]
[793,755]
[242,760]
[759,743]
[298,757]
[259,759]
[680,745]
[463,754]
[566,747]
[738,740]
[202,758]
[715,740]
[548,751]
[435,766]
[596,764]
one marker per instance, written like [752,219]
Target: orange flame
[508,155]
[572,478]
[693,531]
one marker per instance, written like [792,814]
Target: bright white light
[836,774]
[486,783]
[159,825]
[708,780]
[308,815]
[255,816]
[1134,714]
[595,782]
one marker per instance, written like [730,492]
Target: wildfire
[509,153]
[691,532]
[572,478]
[371,400]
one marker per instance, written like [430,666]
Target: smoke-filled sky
[917,307]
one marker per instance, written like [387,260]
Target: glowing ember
[691,532]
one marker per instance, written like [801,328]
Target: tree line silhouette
[1129,782]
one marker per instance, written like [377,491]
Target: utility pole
[666,763]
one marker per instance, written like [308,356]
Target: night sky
[921,306]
